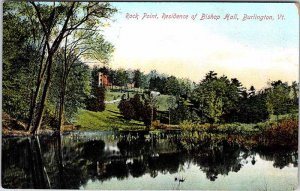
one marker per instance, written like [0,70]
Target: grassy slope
[161,100]
[112,119]
[106,120]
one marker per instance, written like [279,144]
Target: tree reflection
[60,162]
[219,160]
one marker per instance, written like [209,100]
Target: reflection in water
[71,161]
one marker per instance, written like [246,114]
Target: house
[103,80]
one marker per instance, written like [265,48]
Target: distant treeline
[215,98]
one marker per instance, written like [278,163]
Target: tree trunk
[40,112]
[62,106]
[37,89]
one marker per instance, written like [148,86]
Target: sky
[253,51]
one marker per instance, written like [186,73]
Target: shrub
[283,133]
[187,125]
[96,102]
[126,109]
[138,109]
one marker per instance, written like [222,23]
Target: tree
[83,44]
[158,84]
[171,101]
[252,107]
[138,108]
[96,101]
[75,89]
[122,77]
[21,51]
[172,86]
[57,22]
[216,98]
[278,98]
[137,78]
[295,94]
[185,87]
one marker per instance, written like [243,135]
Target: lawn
[109,119]
[111,95]
[161,100]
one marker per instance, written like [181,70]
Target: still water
[135,161]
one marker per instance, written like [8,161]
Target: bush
[96,102]
[238,128]
[187,125]
[283,133]
[126,109]
[137,109]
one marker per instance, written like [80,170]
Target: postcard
[150,95]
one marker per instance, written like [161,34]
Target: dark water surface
[109,160]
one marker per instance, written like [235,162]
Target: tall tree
[278,98]
[216,97]
[80,44]
[57,21]
[172,86]
[122,77]
[137,78]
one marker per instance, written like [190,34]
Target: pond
[135,161]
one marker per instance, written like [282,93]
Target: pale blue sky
[267,50]
[276,33]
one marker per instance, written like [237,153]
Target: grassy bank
[107,120]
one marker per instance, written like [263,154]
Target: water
[169,161]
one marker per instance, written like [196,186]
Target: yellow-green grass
[109,119]
[162,102]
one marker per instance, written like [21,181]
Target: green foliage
[279,100]
[216,96]
[252,108]
[185,87]
[218,99]
[35,78]
[183,111]
[19,57]
[157,83]
[138,109]
[121,77]
[137,78]
[77,87]
[187,125]
[172,86]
